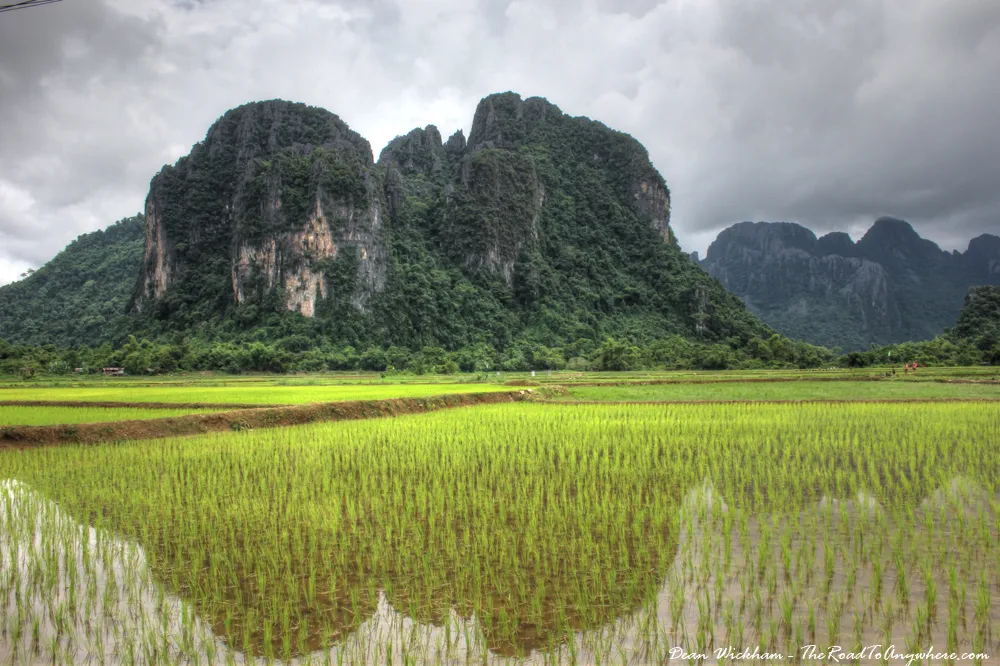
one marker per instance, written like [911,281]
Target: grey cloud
[826,112]
[872,112]
[636,8]
[79,44]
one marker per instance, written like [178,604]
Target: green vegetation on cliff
[542,231]
[980,318]
[554,228]
[279,244]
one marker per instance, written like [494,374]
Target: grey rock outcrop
[289,188]
[890,286]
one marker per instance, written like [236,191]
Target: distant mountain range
[890,286]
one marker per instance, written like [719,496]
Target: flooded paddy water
[512,534]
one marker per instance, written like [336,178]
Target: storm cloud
[826,112]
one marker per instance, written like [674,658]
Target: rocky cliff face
[983,259]
[492,215]
[549,213]
[890,286]
[414,164]
[538,222]
[499,172]
[288,191]
[295,260]
[507,122]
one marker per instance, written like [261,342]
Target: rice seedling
[36,416]
[243,394]
[790,390]
[520,533]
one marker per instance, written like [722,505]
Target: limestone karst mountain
[540,226]
[890,286]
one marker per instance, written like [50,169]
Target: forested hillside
[80,296]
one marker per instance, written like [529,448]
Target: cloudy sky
[826,112]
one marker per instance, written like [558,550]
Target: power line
[25,4]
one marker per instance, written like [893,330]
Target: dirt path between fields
[243,419]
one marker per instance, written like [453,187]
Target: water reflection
[836,571]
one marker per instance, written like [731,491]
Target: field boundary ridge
[99,404]
[244,419]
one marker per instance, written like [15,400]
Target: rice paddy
[788,390]
[241,393]
[517,533]
[39,415]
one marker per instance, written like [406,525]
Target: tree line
[298,353]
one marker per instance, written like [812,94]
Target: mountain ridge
[539,229]
[889,286]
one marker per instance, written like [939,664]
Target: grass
[245,393]
[36,416]
[791,390]
[590,533]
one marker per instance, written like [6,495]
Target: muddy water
[840,572]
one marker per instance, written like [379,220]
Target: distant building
[114,372]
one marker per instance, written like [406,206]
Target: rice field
[37,416]
[241,393]
[899,389]
[519,533]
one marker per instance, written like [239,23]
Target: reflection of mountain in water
[114,581]
[734,579]
[285,545]
[838,572]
